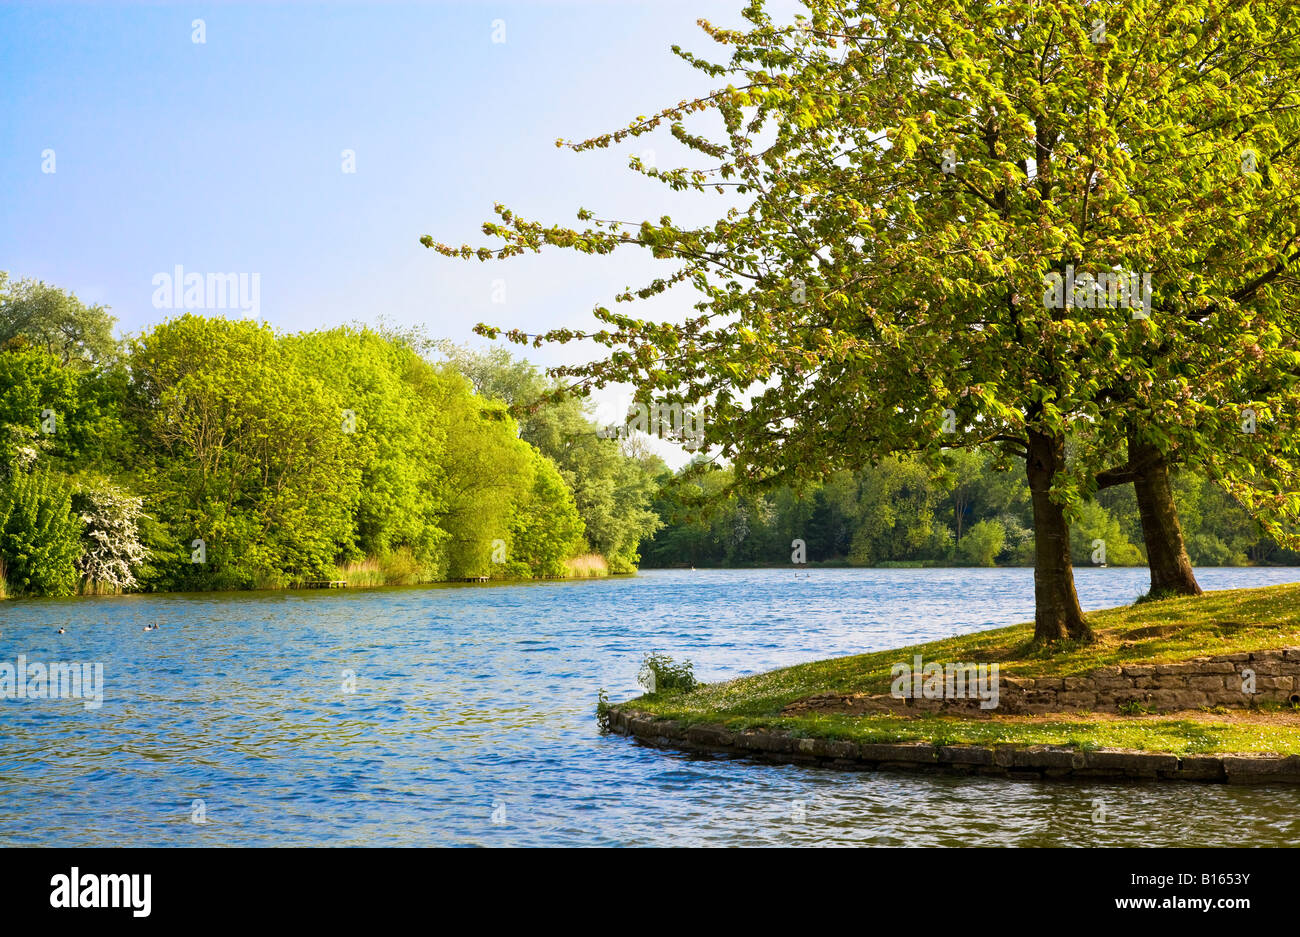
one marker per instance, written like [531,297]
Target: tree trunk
[1057,614]
[1171,569]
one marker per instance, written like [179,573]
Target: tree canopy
[216,453]
[973,225]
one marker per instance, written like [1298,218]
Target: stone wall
[1203,683]
[1196,684]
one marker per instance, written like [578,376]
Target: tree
[487,469]
[55,320]
[37,400]
[39,541]
[243,451]
[386,396]
[612,486]
[982,543]
[896,511]
[966,473]
[1162,533]
[686,504]
[942,215]
[1095,537]
[545,528]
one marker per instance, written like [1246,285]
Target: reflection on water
[477,700]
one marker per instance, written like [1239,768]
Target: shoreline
[1203,688]
[438,583]
[1011,762]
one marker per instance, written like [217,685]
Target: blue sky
[227,156]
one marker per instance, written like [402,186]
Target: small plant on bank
[1134,708]
[660,673]
[602,710]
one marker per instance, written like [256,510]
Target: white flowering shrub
[112,550]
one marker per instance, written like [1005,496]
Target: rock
[965,755]
[766,741]
[841,749]
[1043,756]
[1275,683]
[1129,764]
[1248,769]
[1190,699]
[1198,768]
[710,735]
[1077,700]
[898,752]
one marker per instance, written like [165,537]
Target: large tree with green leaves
[54,319]
[398,437]
[612,484]
[243,450]
[937,214]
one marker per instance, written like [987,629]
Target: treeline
[210,453]
[898,512]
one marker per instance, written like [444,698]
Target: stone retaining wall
[1196,684]
[1038,762]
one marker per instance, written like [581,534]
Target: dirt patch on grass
[1151,631]
[1254,717]
[861,704]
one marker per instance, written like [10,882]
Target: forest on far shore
[900,513]
[217,453]
[214,453]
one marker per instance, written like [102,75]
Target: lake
[463,715]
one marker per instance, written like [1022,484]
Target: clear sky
[226,156]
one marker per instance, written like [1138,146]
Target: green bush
[1095,523]
[1209,550]
[982,543]
[40,538]
[111,551]
[660,673]
[602,710]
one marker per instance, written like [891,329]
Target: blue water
[478,700]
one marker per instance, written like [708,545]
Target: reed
[398,568]
[586,566]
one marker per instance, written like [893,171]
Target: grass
[398,568]
[401,568]
[587,566]
[1164,631]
